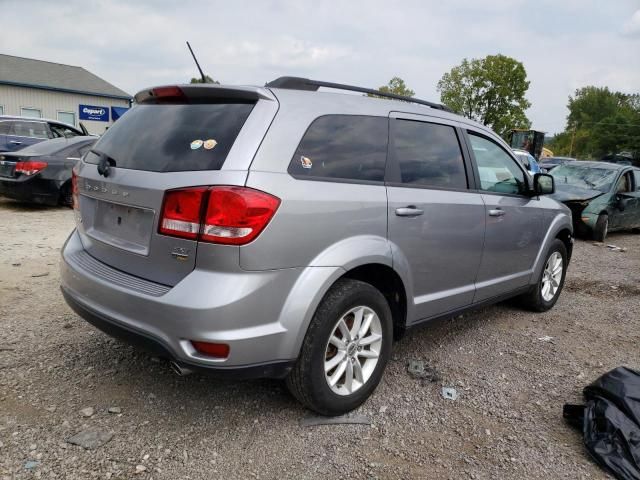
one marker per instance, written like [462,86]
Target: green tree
[490,90]
[395,86]
[207,79]
[600,121]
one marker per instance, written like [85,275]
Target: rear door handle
[497,212]
[409,211]
[15,142]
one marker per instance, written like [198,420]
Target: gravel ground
[506,423]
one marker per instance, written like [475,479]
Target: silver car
[287,232]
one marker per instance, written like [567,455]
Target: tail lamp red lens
[30,168]
[222,214]
[170,94]
[216,350]
[181,212]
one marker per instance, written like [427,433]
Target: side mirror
[543,184]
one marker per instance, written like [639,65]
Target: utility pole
[573,136]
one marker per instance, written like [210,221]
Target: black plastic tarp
[610,422]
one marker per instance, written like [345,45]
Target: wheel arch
[567,238]
[390,284]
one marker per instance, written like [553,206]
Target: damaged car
[602,196]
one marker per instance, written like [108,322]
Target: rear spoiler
[201,93]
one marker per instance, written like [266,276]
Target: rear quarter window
[343,147]
[173,138]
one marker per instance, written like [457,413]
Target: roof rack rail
[299,83]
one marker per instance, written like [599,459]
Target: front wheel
[345,351]
[602,228]
[545,294]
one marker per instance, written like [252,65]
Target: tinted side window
[30,129]
[498,171]
[62,131]
[428,154]
[351,147]
[4,128]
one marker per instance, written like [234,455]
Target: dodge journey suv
[287,232]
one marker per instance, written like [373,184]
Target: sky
[134,44]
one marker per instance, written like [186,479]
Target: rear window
[30,129]
[428,154]
[173,138]
[347,147]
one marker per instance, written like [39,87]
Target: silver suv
[286,232]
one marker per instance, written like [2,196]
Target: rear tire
[545,294]
[66,196]
[336,350]
[601,229]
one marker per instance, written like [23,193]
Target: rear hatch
[174,138]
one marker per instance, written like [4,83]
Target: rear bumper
[241,309]
[36,190]
[155,346]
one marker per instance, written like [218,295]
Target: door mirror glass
[543,184]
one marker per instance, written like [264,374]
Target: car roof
[40,120]
[596,164]
[331,101]
[351,104]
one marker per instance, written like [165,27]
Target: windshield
[585,177]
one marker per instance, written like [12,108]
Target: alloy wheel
[552,276]
[353,350]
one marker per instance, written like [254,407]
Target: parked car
[17,133]
[41,173]
[549,163]
[602,196]
[528,161]
[283,232]
[623,158]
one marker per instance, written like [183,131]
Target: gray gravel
[512,371]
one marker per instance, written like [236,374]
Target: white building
[34,88]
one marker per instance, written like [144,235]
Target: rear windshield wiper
[105,163]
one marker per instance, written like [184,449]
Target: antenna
[204,79]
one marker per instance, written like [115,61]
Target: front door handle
[409,211]
[14,142]
[497,212]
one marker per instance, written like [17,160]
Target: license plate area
[7,169]
[122,226]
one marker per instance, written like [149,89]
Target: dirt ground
[507,422]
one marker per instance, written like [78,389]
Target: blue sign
[117,112]
[91,112]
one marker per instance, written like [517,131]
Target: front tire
[545,294]
[601,229]
[345,350]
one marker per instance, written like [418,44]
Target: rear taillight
[226,214]
[30,168]
[237,215]
[181,212]
[74,190]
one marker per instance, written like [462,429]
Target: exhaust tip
[179,370]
